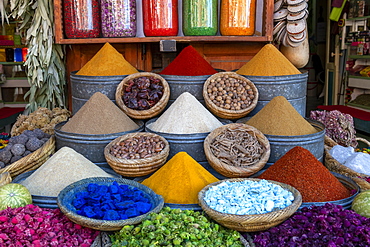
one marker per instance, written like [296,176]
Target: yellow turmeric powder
[180,180]
[269,61]
[107,62]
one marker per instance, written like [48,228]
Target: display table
[8,116]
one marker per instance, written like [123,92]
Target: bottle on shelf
[237,17]
[18,55]
[160,17]
[81,19]
[118,18]
[17,37]
[199,17]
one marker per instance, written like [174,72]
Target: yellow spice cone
[269,61]
[107,62]
[180,180]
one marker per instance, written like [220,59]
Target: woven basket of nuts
[237,150]
[137,154]
[142,95]
[229,95]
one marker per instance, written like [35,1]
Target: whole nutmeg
[230,93]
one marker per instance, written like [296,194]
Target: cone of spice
[186,116]
[107,62]
[66,166]
[180,180]
[99,115]
[300,169]
[189,63]
[279,117]
[269,61]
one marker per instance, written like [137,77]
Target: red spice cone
[300,169]
[189,63]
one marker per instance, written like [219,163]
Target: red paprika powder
[189,63]
[300,169]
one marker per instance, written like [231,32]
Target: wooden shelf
[359,82]
[13,46]
[359,56]
[359,106]
[359,77]
[16,82]
[358,18]
[157,39]
[264,36]
[12,63]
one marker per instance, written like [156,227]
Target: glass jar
[81,18]
[118,18]
[199,17]
[237,17]
[160,17]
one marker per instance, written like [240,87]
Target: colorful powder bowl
[67,202]
[250,222]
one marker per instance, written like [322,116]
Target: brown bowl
[251,222]
[223,112]
[136,167]
[233,171]
[143,114]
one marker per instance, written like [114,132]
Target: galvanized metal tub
[292,87]
[83,87]
[314,143]
[192,144]
[90,146]
[51,201]
[280,145]
[180,84]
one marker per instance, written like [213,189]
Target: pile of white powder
[186,115]
[65,167]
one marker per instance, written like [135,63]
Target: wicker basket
[334,166]
[143,114]
[225,113]
[67,195]
[252,222]
[136,167]
[5,178]
[236,171]
[31,161]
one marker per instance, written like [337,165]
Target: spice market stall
[135,200]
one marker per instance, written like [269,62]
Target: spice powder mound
[186,115]
[99,115]
[189,63]
[269,61]
[107,62]
[180,179]
[279,117]
[65,167]
[300,169]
